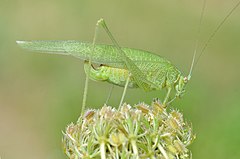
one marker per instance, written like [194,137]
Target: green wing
[103,54]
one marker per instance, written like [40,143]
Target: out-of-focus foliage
[40,94]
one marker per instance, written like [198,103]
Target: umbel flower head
[135,132]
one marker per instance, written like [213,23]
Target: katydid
[125,67]
[158,72]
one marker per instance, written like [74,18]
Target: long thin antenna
[215,31]
[197,40]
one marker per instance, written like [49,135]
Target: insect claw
[164,105]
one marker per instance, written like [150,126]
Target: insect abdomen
[119,76]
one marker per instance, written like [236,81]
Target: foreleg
[169,88]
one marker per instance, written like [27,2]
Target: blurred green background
[40,94]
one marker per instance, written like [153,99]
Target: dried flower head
[141,131]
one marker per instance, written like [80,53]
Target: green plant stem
[163,151]
[103,150]
[135,149]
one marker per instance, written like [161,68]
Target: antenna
[210,37]
[197,40]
